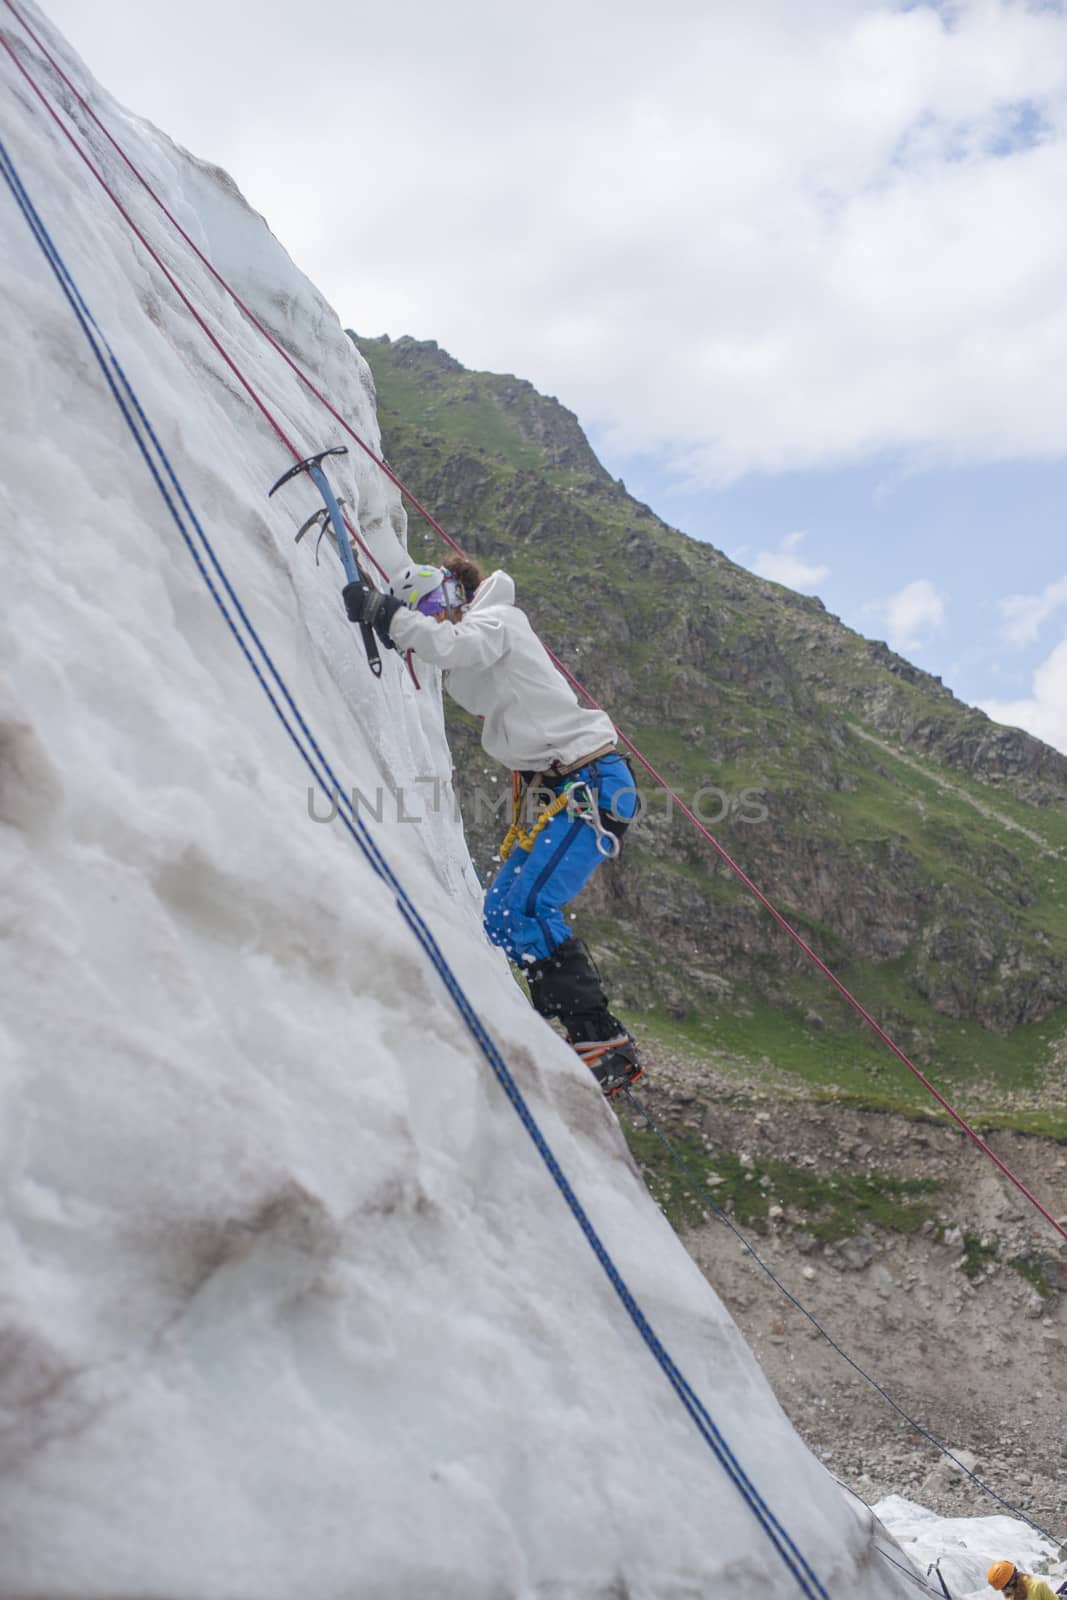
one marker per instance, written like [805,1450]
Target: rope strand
[254,396]
[723,854]
[163,475]
[710,1205]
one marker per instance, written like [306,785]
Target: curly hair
[467,571]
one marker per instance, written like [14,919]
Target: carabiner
[607,844]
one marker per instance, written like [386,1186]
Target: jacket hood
[497,668]
[496,590]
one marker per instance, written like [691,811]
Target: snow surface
[966,1547]
[288,1302]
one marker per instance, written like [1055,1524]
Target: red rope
[724,855]
[798,939]
[220,280]
[297,454]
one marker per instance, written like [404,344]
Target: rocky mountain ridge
[920,847]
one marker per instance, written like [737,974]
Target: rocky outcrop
[856,790]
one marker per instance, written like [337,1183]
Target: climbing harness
[575,797]
[289,714]
[355,826]
[432,522]
[517,835]
[131,409]
[312,465]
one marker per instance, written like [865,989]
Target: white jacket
[495,666]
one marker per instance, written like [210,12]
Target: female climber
[496,667]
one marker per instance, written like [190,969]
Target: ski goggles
[448,596]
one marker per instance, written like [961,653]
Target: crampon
[614,1063]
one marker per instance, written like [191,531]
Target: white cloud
[753,238]
[911,612]
[784,565]
[1044,713]
[1026,614]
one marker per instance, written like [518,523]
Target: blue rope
[292,720]
[706,1199]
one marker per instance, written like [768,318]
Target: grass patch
[1040,1272]
[844,1063]
[832,1206]
[976,1257]
[491,414]
[1050,822]
[487,449]
[946,825]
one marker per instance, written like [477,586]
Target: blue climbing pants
[524,903]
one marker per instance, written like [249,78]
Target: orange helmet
[1002,1574]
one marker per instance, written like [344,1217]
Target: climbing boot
[567,985]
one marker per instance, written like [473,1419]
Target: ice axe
[312,465]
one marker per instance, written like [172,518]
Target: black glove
[367,605]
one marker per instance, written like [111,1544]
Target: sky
[291,1306]
[799,269]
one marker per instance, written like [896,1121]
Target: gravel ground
[981,1365]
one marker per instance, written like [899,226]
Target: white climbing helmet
[427,589]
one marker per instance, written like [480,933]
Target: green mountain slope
[920,848]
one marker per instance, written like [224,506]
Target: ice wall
[288,1302]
